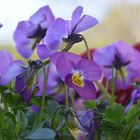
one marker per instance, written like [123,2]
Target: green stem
[113,86]
[103,89]
[67,96]
[4,103]
[87,48]
[44,96]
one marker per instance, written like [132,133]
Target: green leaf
[115,114]
[21,119]
[42,134]
[134,112]
[90,104]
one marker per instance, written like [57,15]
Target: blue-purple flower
[135,96]
[25,83]
[62,34]
[23,75]
[123,59]
[30,32]
[77,73]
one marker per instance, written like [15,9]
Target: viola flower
[135,96]
[123,58]
[65,32]
[10,69]
[25,81]
[77,73]
[85,119]
[30,32]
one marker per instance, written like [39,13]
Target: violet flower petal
[134,98]
[64,66]
[14,70]
[43,17]
[75,18]
[85,23]
[55,33]
[6,58]
[104,56]
[68,55]
[43,51]
[23,43]
[91,70]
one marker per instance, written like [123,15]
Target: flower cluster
[43,98]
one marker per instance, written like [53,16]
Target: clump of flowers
[63,95]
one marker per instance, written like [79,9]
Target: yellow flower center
[77,79]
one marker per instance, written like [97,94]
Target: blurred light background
[118,19]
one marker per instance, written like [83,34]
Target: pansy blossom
[62,34]
[123,59]
[78,73]
[30,32]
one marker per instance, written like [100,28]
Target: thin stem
[87,48]
[44,95]
[67,96]
[103,89]
[113,86]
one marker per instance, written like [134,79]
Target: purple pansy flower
[123,58]
[135,96]
[32,31]
[77,73]
[66,32]
[10,69]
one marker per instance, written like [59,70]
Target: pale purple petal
[125,51]
[23,43]
[43,17]
[43,51]
[68,55]
[88,91]
[14,70]
[104,56]
[135,96]
[85,23]
[91,70]
[64,66]
[85,119]
[75,18]
[55,33]
[5,60]
[26,94]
